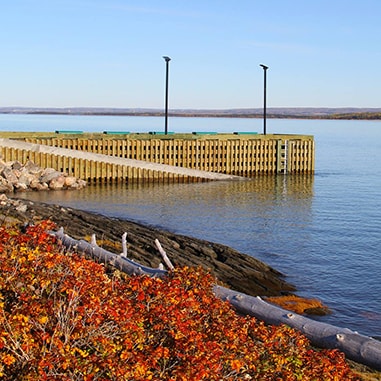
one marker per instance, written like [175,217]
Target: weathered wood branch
[118,261]
[362,349]
[124,245]
[164,255]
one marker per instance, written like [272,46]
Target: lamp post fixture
[264,97]
[167,59]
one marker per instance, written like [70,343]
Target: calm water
[322,231]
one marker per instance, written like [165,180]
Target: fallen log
[359,348]
[362,349]
[120,262]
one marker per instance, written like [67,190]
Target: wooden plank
[241,155]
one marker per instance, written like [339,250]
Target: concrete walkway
[96,157]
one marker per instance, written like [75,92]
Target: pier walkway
[94,166]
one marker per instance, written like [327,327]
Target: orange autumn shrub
[299,304]
[63,318]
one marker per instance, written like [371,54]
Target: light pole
[167,59]
[264,97]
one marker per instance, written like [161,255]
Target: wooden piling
[242,155]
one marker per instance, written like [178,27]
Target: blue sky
[108,53]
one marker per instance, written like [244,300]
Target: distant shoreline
[272,113]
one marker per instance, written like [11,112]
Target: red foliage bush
[63,318]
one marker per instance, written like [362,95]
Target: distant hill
[272,112]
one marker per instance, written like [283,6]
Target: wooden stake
[124,245]
[164,255]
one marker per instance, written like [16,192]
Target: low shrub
[62,317]
[299,304]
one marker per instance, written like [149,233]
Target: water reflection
[267,216]
[121,200]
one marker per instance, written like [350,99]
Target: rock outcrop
[239,271]
[17,177]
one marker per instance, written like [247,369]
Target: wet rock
[236,270]
[80,183]
[20,187]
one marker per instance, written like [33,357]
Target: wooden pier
[245,155]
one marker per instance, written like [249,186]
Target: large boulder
[57,183]
[10,175]
[16,165]
[38,186]
[70,181]
[5,186]
[32,168]
[48,175]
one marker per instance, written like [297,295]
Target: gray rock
[26,178]
[49,174]
[9,175]
[16,165]
[22,208]
[32,168]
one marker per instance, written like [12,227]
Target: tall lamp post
[167,59]
[264,97]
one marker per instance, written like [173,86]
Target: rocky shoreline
[238,271]
[17,177]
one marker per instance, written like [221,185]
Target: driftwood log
[120,262]
[362,349]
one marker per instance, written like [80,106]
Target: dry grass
[366,373]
